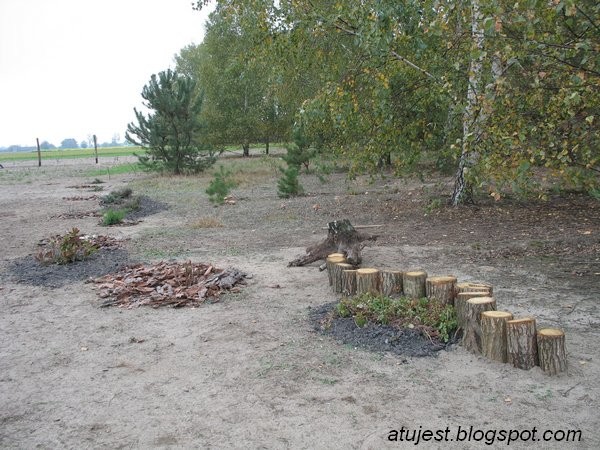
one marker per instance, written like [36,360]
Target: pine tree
[171,134]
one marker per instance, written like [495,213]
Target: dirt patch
[251,371]
[373,337]
[28,270]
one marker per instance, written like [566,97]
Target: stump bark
[337,271]
[441,289]
[349,283]
[391,282]
[330,263]
[460,306]
[551,350]
[414,284]
[472,331]
[368,281]
[522,343]
[343,238]
[493,335]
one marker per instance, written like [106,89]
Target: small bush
[117,196]
[288,185]
[220,186]
[66,249]
[431,318]
[113,217]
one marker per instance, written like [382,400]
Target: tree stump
[414,283]
[337,271]
[330,262]
[522,343]
[472,319]
[349,283]
[551,350]
[391,282]
[343,238]
[367,280]
[468,286]
[460,306]
[441,289]
[493,335]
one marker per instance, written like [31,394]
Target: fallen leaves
[167,284]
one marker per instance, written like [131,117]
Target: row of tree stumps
[485,330]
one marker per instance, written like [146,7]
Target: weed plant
[432,318]
[66,249]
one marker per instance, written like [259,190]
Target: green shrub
[66,249]
[220,186]
[117,196]
[288,185]
[432,318]
[113,217]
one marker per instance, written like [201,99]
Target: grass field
[69,153]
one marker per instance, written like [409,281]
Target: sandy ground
[250,371]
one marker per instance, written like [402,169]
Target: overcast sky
[69,68]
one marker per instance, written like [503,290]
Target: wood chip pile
[168,284]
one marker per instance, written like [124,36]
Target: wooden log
[493,335]
[551,350]
[472,331]
[330,262]
[441,289]
[349,282]
[522,343]
[460,306]
[413,283]
[367,280]
[336,273]
[391,282]
[468,286]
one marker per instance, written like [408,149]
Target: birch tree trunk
[471,120]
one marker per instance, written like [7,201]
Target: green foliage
[66,249]
[289,185]
[505,95]
[172,134]
[432,318]
[120,202]
[220,186]
[117,196]
[113,216]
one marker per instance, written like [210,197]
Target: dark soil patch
[147,208]
[373,337]
[28,270]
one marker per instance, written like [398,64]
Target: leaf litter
[168,284]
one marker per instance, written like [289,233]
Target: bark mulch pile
[168,284]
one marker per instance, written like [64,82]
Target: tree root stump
[343,238]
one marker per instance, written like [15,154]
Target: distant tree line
[66,144]
[504,96]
